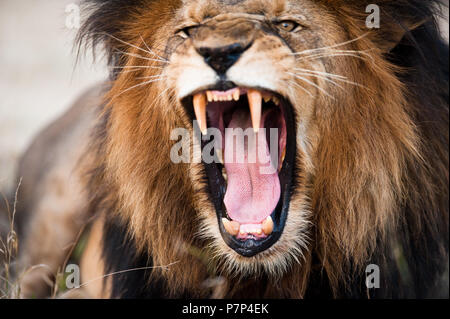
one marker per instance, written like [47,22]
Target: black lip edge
[216,183]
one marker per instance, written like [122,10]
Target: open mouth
[251,175]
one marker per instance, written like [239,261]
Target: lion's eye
[288,25]
[186,32]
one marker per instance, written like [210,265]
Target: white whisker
[138,85]
[321,73]
[318,56]
[151,77]
[332,46]
[127,43]
[327,76]
[151,51]
[141,57]
[302,88]
[131,67]
[320,77]
[311,83]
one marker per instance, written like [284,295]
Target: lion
[359,180]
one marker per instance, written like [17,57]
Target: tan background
[38,80]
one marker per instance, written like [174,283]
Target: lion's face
[283,93]
[256,64]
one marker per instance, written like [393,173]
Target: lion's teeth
[255,101]
[267,226]
[219,155]
[209,96]
[236,94]
[200,111]
[231,227]
[276,101]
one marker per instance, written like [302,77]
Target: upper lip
[217,184]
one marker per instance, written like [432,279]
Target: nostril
[222,58]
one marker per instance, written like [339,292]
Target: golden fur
[369,178]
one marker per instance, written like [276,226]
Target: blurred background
[38,77]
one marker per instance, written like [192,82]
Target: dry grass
[8,250]
[10,282]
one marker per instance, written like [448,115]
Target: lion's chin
[250,134]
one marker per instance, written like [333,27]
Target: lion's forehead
[198,9]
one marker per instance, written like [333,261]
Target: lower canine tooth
[231,227]
[267,226]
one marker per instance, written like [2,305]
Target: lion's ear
[390,35]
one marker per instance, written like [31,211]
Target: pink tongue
[253,188]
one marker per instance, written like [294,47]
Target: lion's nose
[222,58]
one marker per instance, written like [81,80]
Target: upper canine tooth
[283,155]
[267,226]
[255,101]
[236,94]
[200,111]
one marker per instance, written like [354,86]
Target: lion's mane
[379,194]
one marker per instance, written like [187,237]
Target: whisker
[322,73]
[318,56]
[137,85]
[158,98]
[122,272]
[151,77]
[302,88]
[151,51]
[131,67]
[332,46]
[311,83]
[326,78]
[141,57]
[321,77]
[127,43]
